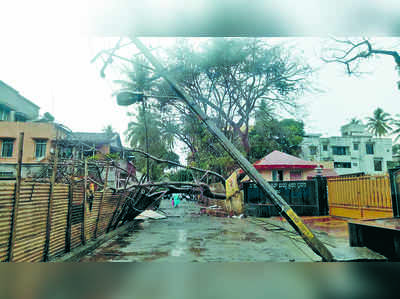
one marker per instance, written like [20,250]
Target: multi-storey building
[18,114]
[356,151]
[14,107]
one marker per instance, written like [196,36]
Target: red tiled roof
[277,159]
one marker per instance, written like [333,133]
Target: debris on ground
[150,214]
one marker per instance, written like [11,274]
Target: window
[339,150]
[325,147]
[20,118]
[377,164]
[355,146]
[4,114]
[40,151]
[6,174]
[342,165]
[355,164]
[7,148]
[295,175]
[369,148]
[313,150]
[277,175]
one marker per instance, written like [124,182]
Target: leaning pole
[286,211]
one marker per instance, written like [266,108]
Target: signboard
[231,185]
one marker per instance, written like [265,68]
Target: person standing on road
[176,200]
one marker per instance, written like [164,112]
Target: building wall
[267,174]
[104,149]
[359,159]
[14,101]
[32,131]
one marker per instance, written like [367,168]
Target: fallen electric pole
[286,211]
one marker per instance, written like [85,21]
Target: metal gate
[305,197]
[365,197]
[395,188]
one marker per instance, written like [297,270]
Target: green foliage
[396,149]
[355,121]
[269,134]
[149,119]
[227,78]
[181,175]
[379,123]
[114,156]
[109,131]
[396,127]
[94,158]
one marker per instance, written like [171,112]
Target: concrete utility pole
[286,211]
[147,139]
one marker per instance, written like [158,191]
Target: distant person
[176,200]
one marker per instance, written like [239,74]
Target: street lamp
[127,98]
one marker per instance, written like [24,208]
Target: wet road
[187,236]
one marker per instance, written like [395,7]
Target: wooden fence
[47,223]
[365,197]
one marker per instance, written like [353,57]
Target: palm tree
[138,76]
[355,121]
[378,125]
[396,123]
[109,131]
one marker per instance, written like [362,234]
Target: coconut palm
[396,127]
[355,121]
[138,76]
[378,125]
[109,131]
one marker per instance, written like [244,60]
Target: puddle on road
[181,245]
[200,240]
[252,237]
[236,236]
[197,250]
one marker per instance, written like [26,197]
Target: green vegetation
[231,80]
[379,123]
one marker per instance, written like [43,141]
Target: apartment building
[39,143]
[15,107]
[19,115]
[356,151]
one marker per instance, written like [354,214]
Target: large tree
[269,134]
[351,52]
[228,77]
[378,124]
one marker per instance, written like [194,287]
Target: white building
[355,151]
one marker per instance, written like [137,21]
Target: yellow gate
[366,197]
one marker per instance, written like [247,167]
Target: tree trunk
[244,138]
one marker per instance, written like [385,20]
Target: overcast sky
[55,72]
[52,68]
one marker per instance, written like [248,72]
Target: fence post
[84,204]
[101,200]
[50,207]
[16,198]
[109,226]
[69,216]
[322,195]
